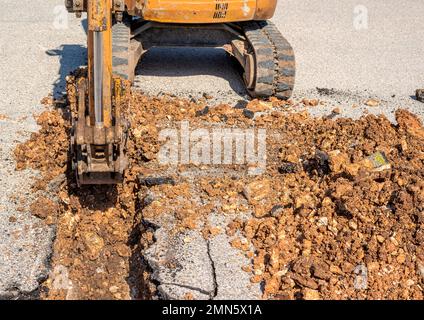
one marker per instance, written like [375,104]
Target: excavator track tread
[121,34]
[275,61]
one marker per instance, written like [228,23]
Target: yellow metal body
[201,11]
[99,19]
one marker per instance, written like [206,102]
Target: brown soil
[321,209]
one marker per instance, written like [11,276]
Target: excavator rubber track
[121,34]
[274,60]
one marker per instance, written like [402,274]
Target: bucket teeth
[98,153]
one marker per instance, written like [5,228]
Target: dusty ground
[335,196]
[369,66]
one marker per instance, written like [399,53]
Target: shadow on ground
[71,57]
[158,65]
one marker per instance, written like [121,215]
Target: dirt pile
[99,236]
[46,150]
[336,214]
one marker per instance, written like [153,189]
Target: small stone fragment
[94,244]
[377,161]
[336,111]
[277,210]
[401,258]
[257,190]
[353,225]
[421,269]
[322,221]
[207,96]
[248,114]
[310,294]
[202,112]
[113,289]
[259,106]
[410,123]
[372,102]
[155,181]
[288,167]
[419,94]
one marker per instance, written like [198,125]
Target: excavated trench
[337,197]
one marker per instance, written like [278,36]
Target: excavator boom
[121,31]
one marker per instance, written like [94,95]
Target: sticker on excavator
[221,9]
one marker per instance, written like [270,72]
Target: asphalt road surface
[369,49]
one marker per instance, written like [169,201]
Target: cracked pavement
[28,73]
[188,265]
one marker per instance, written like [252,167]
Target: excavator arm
[98,132]
[99,62]
[121,31]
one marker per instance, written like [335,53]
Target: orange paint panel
[265,9]
[199,11]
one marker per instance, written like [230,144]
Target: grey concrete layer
[232,282]
[180,263]
[334,49]
[187,263]
[34,59]
[25,242]
[25,246]
[331,51]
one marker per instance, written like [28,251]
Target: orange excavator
[121,31]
